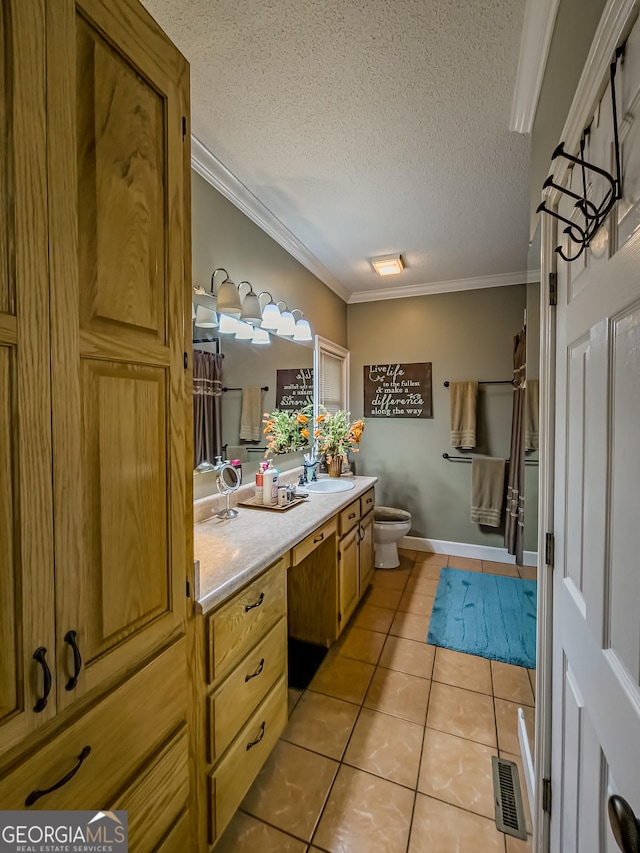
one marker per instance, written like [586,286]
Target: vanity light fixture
[303,329]
[388,264]
[260,337]
[251,310]
[228,325]
[206,318]
[227,295]
[244,332]
[270,313]
[287,325]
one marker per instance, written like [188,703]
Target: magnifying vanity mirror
[228,480]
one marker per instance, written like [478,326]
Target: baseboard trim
[462,549]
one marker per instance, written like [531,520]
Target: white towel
[251,415]
[463,402]
[487,490]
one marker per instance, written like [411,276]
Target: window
[331,389]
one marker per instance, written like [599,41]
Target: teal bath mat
[486,615]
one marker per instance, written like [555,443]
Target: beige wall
[466,335]
[224,237]
[576,23]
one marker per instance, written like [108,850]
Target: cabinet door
[119,234]
[348,575]
[366,552]
[26,547]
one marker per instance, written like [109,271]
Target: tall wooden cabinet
[95,509]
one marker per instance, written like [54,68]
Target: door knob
[625,826]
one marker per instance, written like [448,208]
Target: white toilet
[389,526]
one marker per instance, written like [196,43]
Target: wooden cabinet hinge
[553,288]
[185,360]
[339,617]
[549,549]
[188,590]
[546,795]
[184,126]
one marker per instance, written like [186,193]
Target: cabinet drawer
[178,839]
[367,502]
[312,541]
[244,689]
[123,731]
[233,777]
[158,795]
[349,517]
[238,625]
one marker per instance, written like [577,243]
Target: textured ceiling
[368,126]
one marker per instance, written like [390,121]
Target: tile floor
[389,750]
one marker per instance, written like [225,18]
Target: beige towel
[487,490]
[237,451]
[251,415]
[531,414]
[463,402]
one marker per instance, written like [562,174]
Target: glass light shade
[229,299]
[244,332]
[228,325]
[287,326]
[270,316]
[303,330]
[260,337]
[251,311]
[206,318]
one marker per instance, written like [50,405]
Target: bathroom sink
[329,486]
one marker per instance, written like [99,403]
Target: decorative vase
[335,466]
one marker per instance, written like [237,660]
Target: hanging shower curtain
[514,527]
[207,407]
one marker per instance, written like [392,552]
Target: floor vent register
[508,798]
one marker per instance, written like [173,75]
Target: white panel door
[596,588]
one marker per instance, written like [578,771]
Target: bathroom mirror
[246,365]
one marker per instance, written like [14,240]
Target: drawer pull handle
[70,638]
[353,515]
[40,656]
[249,607]
[318,538]
[257,672]
[369,500]
[260,736]
[34,796]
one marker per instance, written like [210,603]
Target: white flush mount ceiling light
[388,264]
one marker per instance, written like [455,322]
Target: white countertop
[234,551]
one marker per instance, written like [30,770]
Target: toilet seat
[382,514]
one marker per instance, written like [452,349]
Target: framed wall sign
[397,390]
[294,389]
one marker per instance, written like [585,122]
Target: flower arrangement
[336,436]
[287,432]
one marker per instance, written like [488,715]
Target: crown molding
[539,21]
[502,280]
[216,173]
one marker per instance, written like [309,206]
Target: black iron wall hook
[593,215]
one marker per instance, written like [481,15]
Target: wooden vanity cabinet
[95,508]
[241,696]
[355,554]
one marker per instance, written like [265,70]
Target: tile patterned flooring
[389,749]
